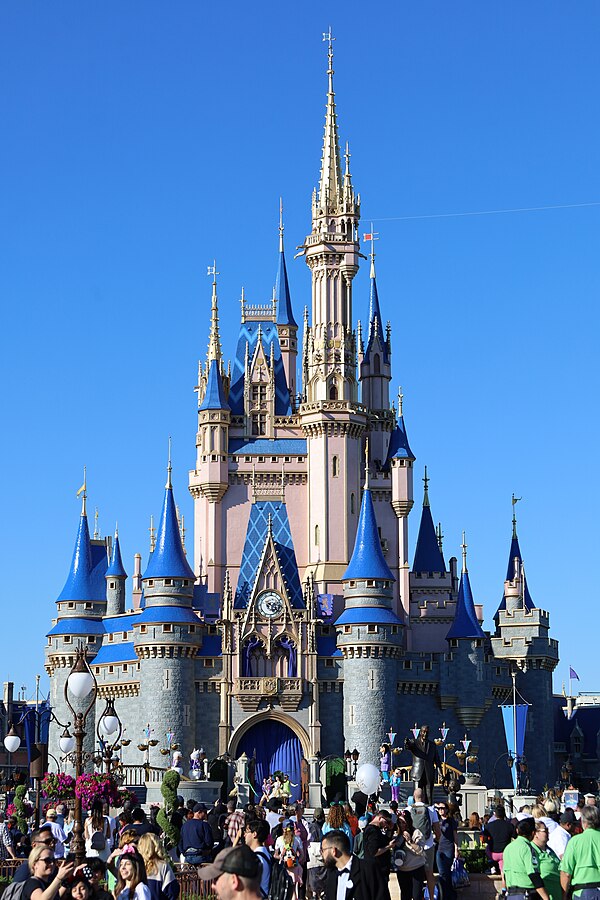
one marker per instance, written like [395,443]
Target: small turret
[168,561]
[466,624]
[80,580]
[428,557]
[287,327]
[116,577]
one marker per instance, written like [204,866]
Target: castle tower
[432,586]
[209,481]
[167,635]
[369,634]
[399,463]
[287,327]
[463,683]
[522,639]
[375,364]
[331,418]
[80,607]
[116,576]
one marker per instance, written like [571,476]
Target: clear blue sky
[142,139]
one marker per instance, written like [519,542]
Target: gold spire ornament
[83,490]
[214,338]
[514,502]
[426,490]
[464,546]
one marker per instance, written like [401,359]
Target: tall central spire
[330,182]
[214,339]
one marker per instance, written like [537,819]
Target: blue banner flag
[573,673]
[509,712]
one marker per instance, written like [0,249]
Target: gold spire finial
[464,553]
[372,236]
[514,502]
[400,400]
[96,528]
[214,339]
[281,225]
[169,467]
[426,491]
[116,530]
[83,490]
[152,531]
[330,184]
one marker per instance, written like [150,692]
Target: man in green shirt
[521,865]
[580,865]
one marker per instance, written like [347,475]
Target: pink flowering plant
[97,786]
[58,786]
[11,809]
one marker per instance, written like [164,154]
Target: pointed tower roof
[214,395]
[330,181]
[466,623]
[168,559]
[428,557]
[285,315]
[80,580]
[116,568]
[375,324]
[515,552]
[367,559]
[398,447]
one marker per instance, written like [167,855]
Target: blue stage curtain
[249,646]
[275,748]
[290,647]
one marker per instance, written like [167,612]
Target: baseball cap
[199,807]
[568,817]
[235,860]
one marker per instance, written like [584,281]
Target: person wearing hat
[590,799]
[57,832]
[561,836]
[196,839]
[235,874]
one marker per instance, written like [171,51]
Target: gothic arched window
[352,503]
[333,392]
[335,466]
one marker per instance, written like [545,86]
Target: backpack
[98,841]
[14,890]
[266,860]
[359,845]
[421,818]
[282,886]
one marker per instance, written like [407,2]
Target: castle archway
[276,743]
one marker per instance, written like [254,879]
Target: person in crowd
[96,832]
[475,822]
[161,881]
[589,799]
[378,841]
[235,874]
[349,877]
[46,881]
[41,837]
[336,821]
[234,823]
[139,821]
[580,865]
[255,835]
[540,815]
[96,870]
[315,829]
[561,836]
[498,833]
[316,871]
[427,821]
[7,850]
[521,866]
[132,881]
[412,872]
[196,839]
[548,861]
[60,836]
[351,819]
[447,850]
[288,849]
[80,888]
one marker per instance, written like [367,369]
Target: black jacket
[367,882]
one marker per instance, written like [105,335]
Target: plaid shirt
[234,822]
[5,841]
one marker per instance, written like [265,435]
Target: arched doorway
[274,747]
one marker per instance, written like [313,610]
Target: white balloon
[368,778]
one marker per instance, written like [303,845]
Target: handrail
[406,770]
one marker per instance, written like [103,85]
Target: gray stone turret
[116,576]
[369,634]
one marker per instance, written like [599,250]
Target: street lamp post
[109,731]
[81,684]
[12,742]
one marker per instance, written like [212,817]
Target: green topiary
[22,809]
[168,789]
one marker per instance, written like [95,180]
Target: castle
[301,628]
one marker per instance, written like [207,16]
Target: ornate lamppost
[81,683]
[109,724]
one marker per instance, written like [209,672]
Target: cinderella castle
[302,627]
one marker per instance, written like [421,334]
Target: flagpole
[514,681]
[570,688]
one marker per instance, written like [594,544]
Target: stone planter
[484,886]
[472,778]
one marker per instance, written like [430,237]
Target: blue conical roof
[168,559]
[367,558]
[80,580]
[428,557]
[399,448]
[515,550]
[214,396]
[116,568]
[285,315]
[375,325]
[466,624]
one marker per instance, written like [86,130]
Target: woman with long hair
[410,862]
[161,880]
[288,848]
[96,832]
[336,821]
[132,882]
[80,889]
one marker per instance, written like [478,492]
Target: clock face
[269,604]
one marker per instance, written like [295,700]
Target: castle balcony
[325,237]
[249,692]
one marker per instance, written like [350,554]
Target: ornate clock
[269,604]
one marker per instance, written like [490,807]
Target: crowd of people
[273,850]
